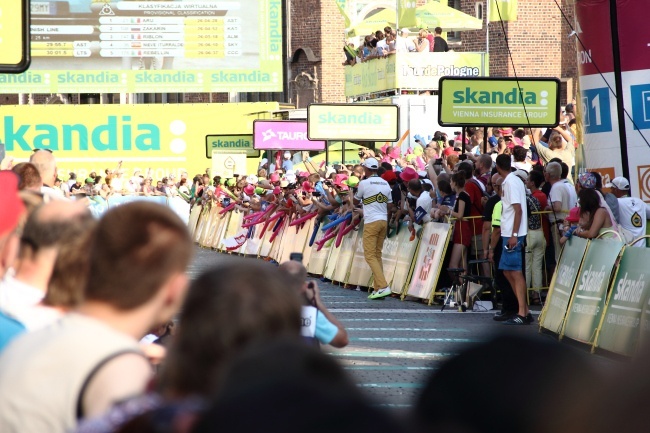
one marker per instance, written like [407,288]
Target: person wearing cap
[375,194]
[12,211]
[403,44]
[633,213]
[287,164]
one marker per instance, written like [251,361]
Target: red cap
[574,215]
[306,186]
[12,205]
[277,190]
[389,176]
[409,174]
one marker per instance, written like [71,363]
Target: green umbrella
[378,21]
[435,14]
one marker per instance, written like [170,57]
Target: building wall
[318,25]
[538,40]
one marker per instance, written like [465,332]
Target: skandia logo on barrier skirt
[24,78]
[165,77]
[115,134]
[88,78]
[440,71]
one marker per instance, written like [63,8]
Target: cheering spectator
[52,377]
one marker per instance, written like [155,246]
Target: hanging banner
[360,273]
[588,300]
[620,327]
[503,10]
[365,122]
[412,71]
[427,264]
[283,134]
[406,16]
[511,101]
[564,279]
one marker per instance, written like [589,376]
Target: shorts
[463,233]
[512,260]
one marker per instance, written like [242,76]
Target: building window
[479,10]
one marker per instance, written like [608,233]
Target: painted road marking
[406,339]
[391,385]
[393,354]
[409,329]
[385,367]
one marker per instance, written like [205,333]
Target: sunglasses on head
[36,150]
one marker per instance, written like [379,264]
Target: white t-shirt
[375,194]
[514,191]
[383,45]
[565,193]
[21,302]
[404,45]
[425,202]
[632,215]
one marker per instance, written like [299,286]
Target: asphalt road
[395,345]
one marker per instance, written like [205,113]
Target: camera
[462,157]
[316,194]
[438,161]
[296,257]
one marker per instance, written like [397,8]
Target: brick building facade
[539,41]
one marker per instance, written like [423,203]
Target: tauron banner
[620,328]
[588,300]
[152,46]
[598,89]
[562,284]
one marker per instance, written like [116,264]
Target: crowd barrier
[412,268]
[99,205]
[599,296]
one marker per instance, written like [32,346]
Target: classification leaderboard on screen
[140,29]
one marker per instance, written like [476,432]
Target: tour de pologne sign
[526,102]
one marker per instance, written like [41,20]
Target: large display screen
[87,46]
[14,35]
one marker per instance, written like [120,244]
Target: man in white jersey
[633,212]
[375,194]
[561,199]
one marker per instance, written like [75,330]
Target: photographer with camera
[319,325]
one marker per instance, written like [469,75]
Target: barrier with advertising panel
[405,256]
[360,273]
[389,256]
[412,71]
[588,300]
[318,259]
[346,254]
[561,288]
[433,244]
[620,323]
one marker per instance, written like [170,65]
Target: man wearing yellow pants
[375,194]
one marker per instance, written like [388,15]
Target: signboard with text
[361,122]
[564,279]
[228,164]
[14,36]
[588,301]
[412,71]
[89,46]
[620,328]
[283,134]
[229,143]
[533,102]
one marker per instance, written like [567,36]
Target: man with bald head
[46,229]
[45,162]
[328,329]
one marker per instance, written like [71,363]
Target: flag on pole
[346,17]
[406,13]
[507,8]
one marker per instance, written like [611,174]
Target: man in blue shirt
[287,164]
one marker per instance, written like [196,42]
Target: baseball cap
[506,131]
[574,215]
[587,180]
[409,174]
[352,181]
[371,163]
[90,180]
[619,183]
[389,176]
[306,186]
[12,205]
[252,179]
[287,154]
[405,30]
[275,177]
[249,190]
